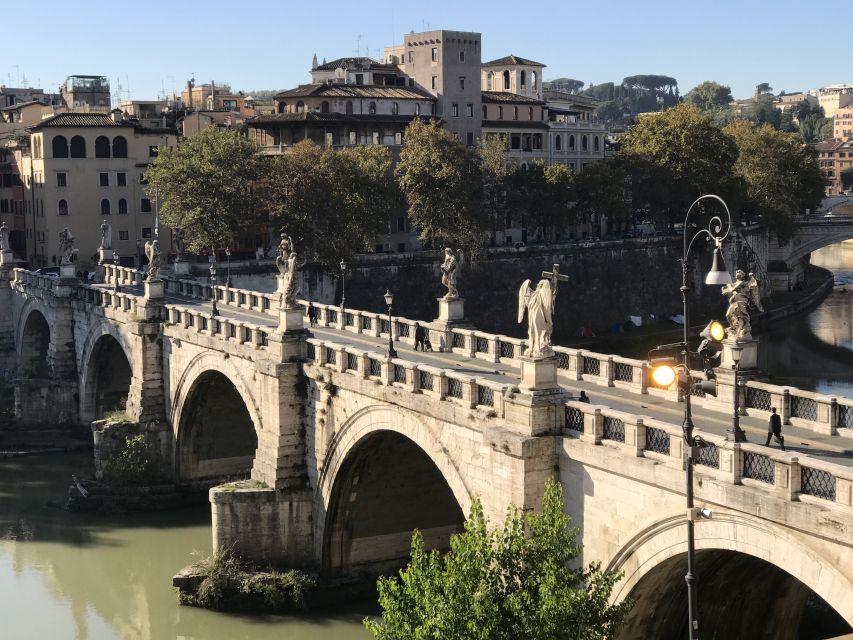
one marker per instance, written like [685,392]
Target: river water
[81,576]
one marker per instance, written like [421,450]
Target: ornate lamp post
[736,434]
[228,277]
[115,271]
[215,311]
[389,300]
[343,285]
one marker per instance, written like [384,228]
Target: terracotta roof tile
[512,60]
[506,97]
[355,91]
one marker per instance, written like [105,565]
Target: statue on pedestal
[285,246]
[178,243]
[743,293]
[539,305]
[286,263]
[66,245]
[450,270]
[4,238]
[106,236]
[152,252]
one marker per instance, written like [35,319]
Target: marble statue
[539,305]
[4,238]
[106,236]
[289,281]
[66,245]
[450,271]
[743,294]
[152,252]
[178,243]
[285,247]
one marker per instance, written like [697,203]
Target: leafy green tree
[602,191]
[569,85]
[505,584]
[847,179]
[206,187]
[763,111]
[333,203]
[491,156]
[781,175]
[763,88]
[440,179]
[709,95]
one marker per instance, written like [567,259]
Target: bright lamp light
[717,331]
[664,375]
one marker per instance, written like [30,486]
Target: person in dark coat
[313,313]
[420,337]
[775,429]
[583,397]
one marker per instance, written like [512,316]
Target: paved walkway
[837,449]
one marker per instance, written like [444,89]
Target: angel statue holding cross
[539,305]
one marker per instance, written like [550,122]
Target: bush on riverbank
[229,584]
[138,463]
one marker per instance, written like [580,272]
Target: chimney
[117,116]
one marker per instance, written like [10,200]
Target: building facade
[843,124]
[83,168]
[834,98]
[836,157]
[86,91]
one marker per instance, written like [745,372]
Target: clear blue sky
[268,45]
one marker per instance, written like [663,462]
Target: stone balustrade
[205,323]
[794,476]
[126,276]
[23,278]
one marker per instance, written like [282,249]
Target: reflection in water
[816,351]
[81,576]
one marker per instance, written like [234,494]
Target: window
[558,142]
[122,206]
[152,151]
[469,110]
[584,143]
[523,79]
[500,113]
[490,81]
[470,139]
[526,142]
[395,108]
[515,141]
[595,143]
[461,56]
[572,143]
[515,113]
[61,179]
[122,235]
[417,108]
[454,110]
[530,113]
[435,82]
[349,107]
[485,112]
[537,140]
[102,147]
[145,205]
[146,232]
[121,179]
[371,109]
[506,80]
[63,208]
[105,207]
[282,107]
[435,54]
[411,57]
[78,147]
[119,147]
[104,179]
[462,83]
[359,78]
[533,79]
[60,147]
[300,107]
[324,107]
[142,179]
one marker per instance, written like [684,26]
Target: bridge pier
[7,325]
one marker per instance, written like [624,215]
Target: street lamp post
[389,300]
[115,271]
[717,275]
[343,286]
[215,311]
[228,277]
[737,434]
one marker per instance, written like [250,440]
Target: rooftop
[355,91]
[334,118]
[360,62]
[75,119]
[512,60]
[506,97]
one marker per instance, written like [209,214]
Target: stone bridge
[348,450]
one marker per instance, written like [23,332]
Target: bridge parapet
[123,276]
[227,329]
[815,411]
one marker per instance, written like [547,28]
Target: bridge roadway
[837,449]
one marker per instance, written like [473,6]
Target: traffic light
[712,342]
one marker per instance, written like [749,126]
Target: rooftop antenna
[127,84]
[358,45]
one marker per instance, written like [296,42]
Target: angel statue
[287,280]
[743,293]
[539,304]
[285,247]
[4,238]
[106,236]
[450,271]
[152,252]
[66,245]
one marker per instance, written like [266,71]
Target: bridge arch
[34,344]
[215,419]
[107,367]
[807,241]
[742,561]
[386,474]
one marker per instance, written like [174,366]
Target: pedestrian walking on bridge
[775,429]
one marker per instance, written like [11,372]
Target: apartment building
[843,124]
[835,157]
[82,168]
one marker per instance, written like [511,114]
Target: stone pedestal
[451,310]
[155,289]
[748,357]
[105,256]
[290,320]
[538,374]
[181,268]
[67,272]
[6,258]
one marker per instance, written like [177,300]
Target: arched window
[282,107]
[572,143]
[371,109]
[523,79]
[300,107]
[515,113]
[102,147]
[60,147]
[584,143]
[105,207]
[558,142]
[63,208]
[595,143]
[530,113]
[122,205]
[324,107]
[485,112]
[490,81]
[500,113]
[349,107]
[119,147]
[533,79]
[395,108]
[506,80]
[78,147]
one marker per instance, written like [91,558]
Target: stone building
[835,97]
[843,124]
[82,168]
[359,70]
[835,157]
[574,139]
[86,91]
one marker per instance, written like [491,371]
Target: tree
[781,174]
[569,85]
[440,179]
[847,179]
[763,111]
[763,88]
[491,156]
[602,191]
[503,584]
[333,203]
[206,187]
[674,157]
[709,95]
